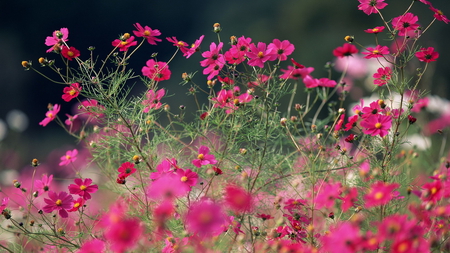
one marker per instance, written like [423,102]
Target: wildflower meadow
[252,166]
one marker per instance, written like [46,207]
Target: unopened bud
[35,162]
[283,121]
[217,28]
[349,38]
[233,40]
[26,64]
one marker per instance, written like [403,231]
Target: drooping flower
[71,92]
[281,48]
[258,55]
[157,71]
[427,54]
[126,169]
[205,218]
[57,39]
[70,53]
[153,101]
[204,157]
[375,30]
[346,50]
[124,44]
[376,52]
[70,119]
[382,76]
[43,185]
[405,23]
[148,33]
[295,73]
[371,6]
[377,124]
[238,199]
[195,47]
[50,115]
[59,202]
[69,157]
[83,188]
[380,193]
[439,15]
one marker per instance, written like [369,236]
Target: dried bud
[43,61]
[182,107]
[283,121]
[298,107]
[341,111]
[217,28]
[233,40]
[35,194]
[331,215]
[120,180]
[411,119]
[16,183]
[186,77]
[294,118]
[211,83]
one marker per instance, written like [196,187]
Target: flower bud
[217,28]
[283,121]
[26,64]
[233,40]
[136,159]
[242,151]
[35,162]
[349,38]
[411,119]
[125,36]
[43,61]
[16,183]
[298,107]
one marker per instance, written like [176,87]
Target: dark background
[315,27]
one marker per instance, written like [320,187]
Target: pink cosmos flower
[50,115]
[70,53]
[188,177]
[153,101]
[162,168]
[427,54]
[5,201]
[382,76]
[124,45]
[76,205]
[178,43]
[71,92]
[343,237]
[349,199]
[57,38]
[70,119]
[167,187]
[238,199]
[157,71]
[380,193]
[213,70]
[124,234]
[148,33]
[205,218]
[375,30]
[42,186]
[327,194]
[258,55]
[83,188]
[439,15]
[195,47]
[69,157]
[126,169]
[237,53]
[405,23]
[260,80]
[204,158]
[91,246]
[346,50]
[371,6]
[281,48]
[325,82]
[351,122]
[376,52]
[213,56]
[373,108]
[91,107]
[376,124]
[295,73]
[59,202]
[310,82]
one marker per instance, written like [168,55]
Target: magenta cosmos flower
[439,15]
[42,186]
[258,55]
[427,54]
[380,193]
[71,92]
[83,188]
[70,53]
[382,76]
[50,115]
[204,158]
[123,45]
[148,33]
[377,124]
[156,71]
[59,202]
[126,169]
[346,50]
[281,48]
[205,218]
[375,30]
[371,6]
[195,47]
[69,157]
[153,101]
[238,199]
[94,245]
[213,56]
[57,38]
[405,23]
[376,52]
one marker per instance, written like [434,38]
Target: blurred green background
[315,27]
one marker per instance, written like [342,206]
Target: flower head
[70,53]
[281,48]
[382,76]
[380,193]
[346,50]
[194,47]
[76,204]
[71,92]
[204,158]
[427,54]
[83,188]
[124,44]
[69,157]
[57,39]
[148,33]
[371,6]
[439,15]
[258,55]
[376,52]
[405,23]
[205,218]
[126,169]
[153,101]
[157,71]
[50,115]
[375,30]
[238,199]
[43,185]
[377,124]
[59,202]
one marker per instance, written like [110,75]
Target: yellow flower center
[146,33]
[72,92]
[378,125]
[184,179]
[123,43]
[70,53]
[205,217]
[76,205]
[378,195]
[83,187]
[375,30]
[68,157]
[260,54]
[180,43]
[58,202]
[375,51]
[50,115]
[403,247]
[433,190]
[200,156]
